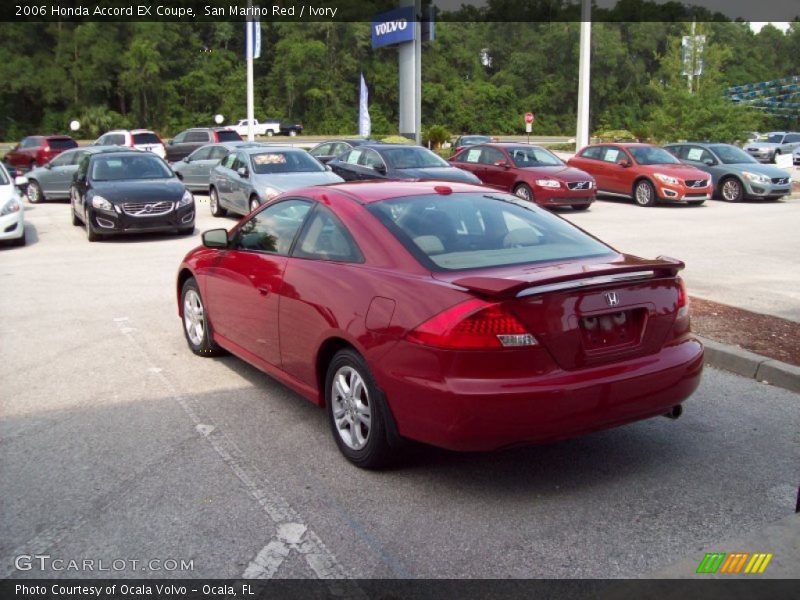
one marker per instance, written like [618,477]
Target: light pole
[584,72]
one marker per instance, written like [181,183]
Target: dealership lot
[118,443]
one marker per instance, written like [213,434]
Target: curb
[751,365]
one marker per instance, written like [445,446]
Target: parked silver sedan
[52,180]
[195,169]
[251,175]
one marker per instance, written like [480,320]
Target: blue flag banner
[253,39]
[364,122]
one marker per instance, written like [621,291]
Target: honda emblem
[612,298]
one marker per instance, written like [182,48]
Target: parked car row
[775,144]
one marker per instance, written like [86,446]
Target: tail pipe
[674,412]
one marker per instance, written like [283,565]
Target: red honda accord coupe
[446,313]
[532,173]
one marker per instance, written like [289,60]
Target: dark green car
[735,174]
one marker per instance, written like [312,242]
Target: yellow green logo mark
[734,563]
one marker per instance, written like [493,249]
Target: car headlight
[270,192]
[101,203]
[666,179]
[11,206]
[548,183]
[756,177]
[186,200]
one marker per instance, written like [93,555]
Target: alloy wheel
[193,317]
[352,411]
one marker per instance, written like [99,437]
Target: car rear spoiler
[578,277]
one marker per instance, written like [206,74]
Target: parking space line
[292,535]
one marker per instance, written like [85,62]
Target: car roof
[124,151]
[253,147]
[367,192]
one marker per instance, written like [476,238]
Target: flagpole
[250,50]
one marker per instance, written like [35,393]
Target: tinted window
[731,155]
[775,138]
[472,230]
[180,138]
[62,143]
[31,142]
[489,156]
[229,160]
[274,228]
[146,138]
[219,152]
[116,168]
[325,238]
[532,156]
[411,157]
[115,139]
[470,155]
[370,159]
[593,152]
[228,135]
[323,150]
[288,161]
[202,153]
[197,136]
[64,159]
[650,155]
[679,151]
[792,137]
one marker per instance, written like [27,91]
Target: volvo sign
[393,27]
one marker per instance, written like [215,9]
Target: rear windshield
[119,168]
[476,231]
[291,161]
[145,138]
[228,135]
[62,143]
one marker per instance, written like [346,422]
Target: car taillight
[471,325]
[683,300]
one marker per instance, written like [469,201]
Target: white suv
[141,139]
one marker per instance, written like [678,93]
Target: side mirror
[179,175]
[328,167]
[186,159]
[380,169]
[624,163]
[20,181]
[242,171]
[215,238]
[171,142]
[48,165]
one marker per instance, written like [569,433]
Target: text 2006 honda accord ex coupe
[441,312]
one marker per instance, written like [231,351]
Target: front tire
[213,200]
[293,132]
[270,133]
[580,206]
[195,321]
[186,230]
[644,194]
[254,203]
[356,411]
[775,156]
[34,192]
[91,235]
[731,190]
[524,191]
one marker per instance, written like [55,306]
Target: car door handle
[264,290]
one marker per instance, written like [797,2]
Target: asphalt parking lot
[118,443]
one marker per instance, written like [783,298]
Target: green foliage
[435,135]
[397,139]
[95,120]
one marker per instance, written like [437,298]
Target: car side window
[489,156]
[197,136]
[371,159]
[64,159]
[83,168]
[324,237]
[697,154]
[202,153]
[339,148]
[240,162]
[116,139]
[274,228]
[29,142]
[677,151]
[218,152]
[229,160]
[180,138]
[792,138]
[612,155]
[594,152]
[471,155]
[323,150]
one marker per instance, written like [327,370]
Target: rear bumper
[469,413]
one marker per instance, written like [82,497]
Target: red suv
[646,173]
[36,150]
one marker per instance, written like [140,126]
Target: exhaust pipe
[675,412]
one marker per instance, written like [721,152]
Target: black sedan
[327,151]
[395,161]
[129,192]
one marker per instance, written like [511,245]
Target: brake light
[472,325]
[683,299]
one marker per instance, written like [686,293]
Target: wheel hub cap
[352,412]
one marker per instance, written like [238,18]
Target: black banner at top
[365,10]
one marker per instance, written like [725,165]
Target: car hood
[680,171]
[563,172]
[443,173]
[761,146]
[142,190]
[290,181]
[770,171]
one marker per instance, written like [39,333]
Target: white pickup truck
[269,128]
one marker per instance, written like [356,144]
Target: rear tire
[580,206]
[356,411]
[34,192]
[196,328]
[213,200]
[186,230]
[644,194]
[20,241]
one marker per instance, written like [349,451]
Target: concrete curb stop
[751,365]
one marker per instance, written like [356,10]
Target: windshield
[289,161]
[474,231]
[411,157]
[731,155]
[775,138]
[650,155]
[534,157]
[119,168]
